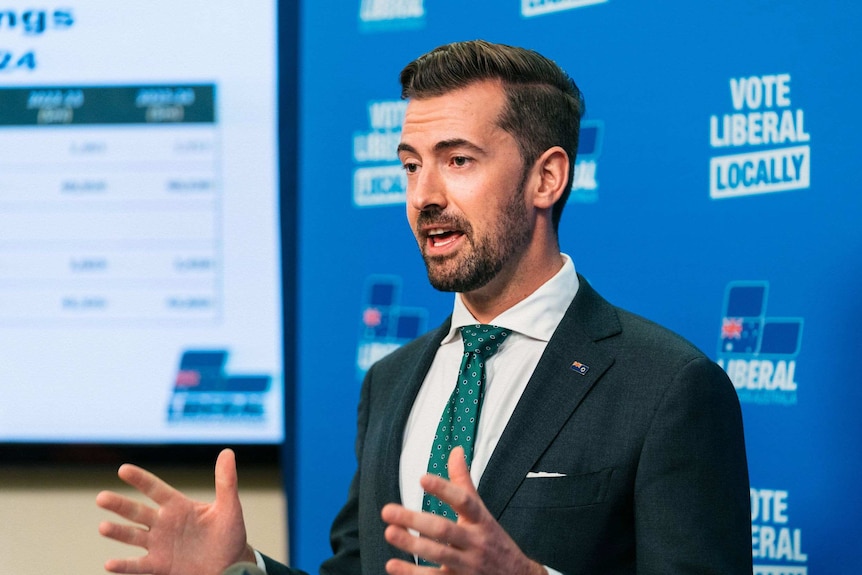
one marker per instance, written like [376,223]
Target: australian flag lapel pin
[580,367]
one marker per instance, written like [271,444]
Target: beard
[482,257]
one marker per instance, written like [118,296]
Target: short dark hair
[543,104]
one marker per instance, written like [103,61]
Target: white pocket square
[533,474]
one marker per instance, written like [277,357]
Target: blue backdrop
[716,193]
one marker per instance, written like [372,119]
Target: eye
[460,161]
[410,167]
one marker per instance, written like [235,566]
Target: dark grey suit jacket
[650,441]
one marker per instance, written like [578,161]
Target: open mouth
[442,238]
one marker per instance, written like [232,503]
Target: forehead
[470,113]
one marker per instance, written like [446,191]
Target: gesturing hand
[181,536]
[476,544]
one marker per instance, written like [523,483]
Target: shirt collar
[537,316]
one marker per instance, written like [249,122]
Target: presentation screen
[140,257]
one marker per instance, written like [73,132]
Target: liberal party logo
[381,15]
[758,352]
[538,7]
[386,324]
[764,122]
[585,186]
[204,390]
[776,546]
[379,179]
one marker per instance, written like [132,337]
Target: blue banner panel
[715,192]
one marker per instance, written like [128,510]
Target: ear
[552,171]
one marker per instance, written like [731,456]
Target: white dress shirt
[532,322]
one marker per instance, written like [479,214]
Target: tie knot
[483,339]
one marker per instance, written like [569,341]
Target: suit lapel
[553,393]
[401,411]
[390,465]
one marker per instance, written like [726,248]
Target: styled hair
[543,105]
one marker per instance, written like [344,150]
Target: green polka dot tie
[461,416]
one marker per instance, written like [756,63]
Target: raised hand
[476,544]
[181,536]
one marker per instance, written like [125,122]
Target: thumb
[469,508]
[458,472]
[229,510]
[226,482]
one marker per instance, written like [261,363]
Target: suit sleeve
[692,506]
[273,567]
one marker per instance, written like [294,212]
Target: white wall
[49,519]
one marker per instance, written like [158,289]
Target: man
[606,444]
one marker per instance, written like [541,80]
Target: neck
[512,285]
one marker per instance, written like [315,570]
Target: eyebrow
[443,145]
[402,147]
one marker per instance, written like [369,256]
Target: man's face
[465,180]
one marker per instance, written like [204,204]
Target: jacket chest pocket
[538,490]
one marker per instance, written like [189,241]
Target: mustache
[442,219]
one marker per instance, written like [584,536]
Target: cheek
[485,197]
[412,216]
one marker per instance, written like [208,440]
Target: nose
[426,191]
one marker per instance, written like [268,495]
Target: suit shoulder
[623,332]
[657,360]
[645,336]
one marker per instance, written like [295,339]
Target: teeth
[444,242]
[436,232]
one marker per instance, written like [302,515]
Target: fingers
[475,543]
[400,567]
[428,549]
[125,507]
[459,492]
[429,525]
[147,483]
[131,565]
[443,542]
[124,533]
[438,532]
[431,549]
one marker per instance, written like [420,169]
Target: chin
[457,284]
[447,274]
